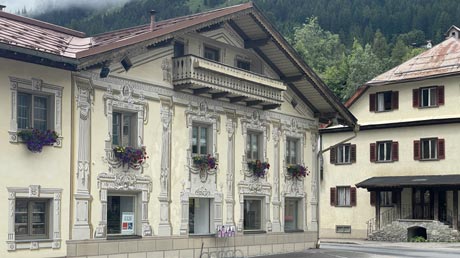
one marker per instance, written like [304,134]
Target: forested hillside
[348,43]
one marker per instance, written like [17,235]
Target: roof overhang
[399,182]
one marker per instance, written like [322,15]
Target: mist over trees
[347,42]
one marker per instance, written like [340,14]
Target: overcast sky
[38,5]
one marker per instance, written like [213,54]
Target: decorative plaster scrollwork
[202,191]
[167,70]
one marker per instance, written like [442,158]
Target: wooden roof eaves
[311,76]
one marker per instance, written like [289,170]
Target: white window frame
[380,101]
[342,151]
[209,136]
[386,199]
[132,130]
[288,156]
[430,91]
[300,214]
[249,150]
[347,192]
[386,145]
[136,211]
[262,212]
[36,87]
[210,215]
[53,195]
[433,143]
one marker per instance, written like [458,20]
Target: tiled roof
[442,59]
[41,36]
[33,34]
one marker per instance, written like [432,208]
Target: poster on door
[127,223]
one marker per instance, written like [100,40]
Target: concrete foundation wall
[150,247]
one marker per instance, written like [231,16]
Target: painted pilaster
[82,197]
[164,228]
[315,174]
[276,226]
[229,200]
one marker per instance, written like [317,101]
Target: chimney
[2,7]
[152,19]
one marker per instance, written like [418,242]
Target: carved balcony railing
[205,77]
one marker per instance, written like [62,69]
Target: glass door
[120,215]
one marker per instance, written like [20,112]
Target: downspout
[319,157]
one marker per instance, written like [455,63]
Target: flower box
[35,139]
[297,171]
[205,162]
[132,157]
[258,168]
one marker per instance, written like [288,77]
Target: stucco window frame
[35,192]
[35,86]
[201,184]
[294,188]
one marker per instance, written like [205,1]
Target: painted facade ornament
[166,67]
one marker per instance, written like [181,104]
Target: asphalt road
[363,251]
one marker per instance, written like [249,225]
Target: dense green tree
[363,65]
[319,48]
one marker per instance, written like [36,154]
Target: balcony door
[423,201]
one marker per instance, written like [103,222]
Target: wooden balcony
[205,77]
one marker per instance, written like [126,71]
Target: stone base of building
[406,230]
[194,247]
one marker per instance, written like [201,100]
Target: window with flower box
[201,139]
[36,105]
[124,129]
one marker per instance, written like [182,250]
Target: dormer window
[242,64]
[212,53]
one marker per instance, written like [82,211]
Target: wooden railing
[207,73]
[387,217]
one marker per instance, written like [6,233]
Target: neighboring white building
[405,154]
[223,83]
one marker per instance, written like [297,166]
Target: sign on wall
[225,231]
[127,223]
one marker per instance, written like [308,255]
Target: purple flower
[130,156]
[259,168]
[36,139]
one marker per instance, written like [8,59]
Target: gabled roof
[440,61]
[245,19]
[41,36]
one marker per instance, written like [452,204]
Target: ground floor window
[199,216]
[252,214]
[292,214]
[386,198]
[121,217]
[31,219]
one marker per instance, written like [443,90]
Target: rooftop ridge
[42,24]
[162,22]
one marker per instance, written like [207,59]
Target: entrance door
[423,203]
[120,215]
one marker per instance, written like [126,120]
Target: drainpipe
[319,157]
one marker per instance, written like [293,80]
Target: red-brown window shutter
[394,151]
[332,155]
[371,102]
[417,150]
[373,197]
[440,91]
[395,100]
[372,152]
[415,98]
[353,196]
[333,195]
[353,153]
[441,149]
